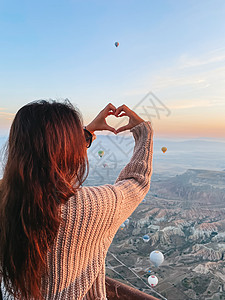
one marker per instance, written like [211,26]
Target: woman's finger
[111,113]
[109,107]
[110,129]
[123,128]
[123,108]
[122,115]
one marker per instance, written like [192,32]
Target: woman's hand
[99,123]
[134,119]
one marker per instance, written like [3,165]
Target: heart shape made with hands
[105,120]
[116,121]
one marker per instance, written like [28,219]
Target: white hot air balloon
[126,222]
[157,258]
[153,280]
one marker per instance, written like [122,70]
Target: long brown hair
[46,163]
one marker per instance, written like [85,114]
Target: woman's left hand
[99,123]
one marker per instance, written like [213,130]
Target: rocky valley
[184,217]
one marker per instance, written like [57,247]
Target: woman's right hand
[99,123]
[134,119]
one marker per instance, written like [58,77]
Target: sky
[169,66]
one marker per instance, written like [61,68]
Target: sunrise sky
[65,49]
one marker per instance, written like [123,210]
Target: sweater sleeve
[133,181]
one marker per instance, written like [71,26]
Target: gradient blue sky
[65,49]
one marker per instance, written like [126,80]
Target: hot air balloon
[126,222]
[153,280]
[156,257]
[100,153]
[122,226]
[144,201]
[105,165]
[146,238]
[164,149]
[116,44]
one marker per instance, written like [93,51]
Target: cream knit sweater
[90,221]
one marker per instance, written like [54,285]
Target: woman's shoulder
[95,192]
[99,198]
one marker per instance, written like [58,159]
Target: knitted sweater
[90,220]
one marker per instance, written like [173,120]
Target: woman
[55,233]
